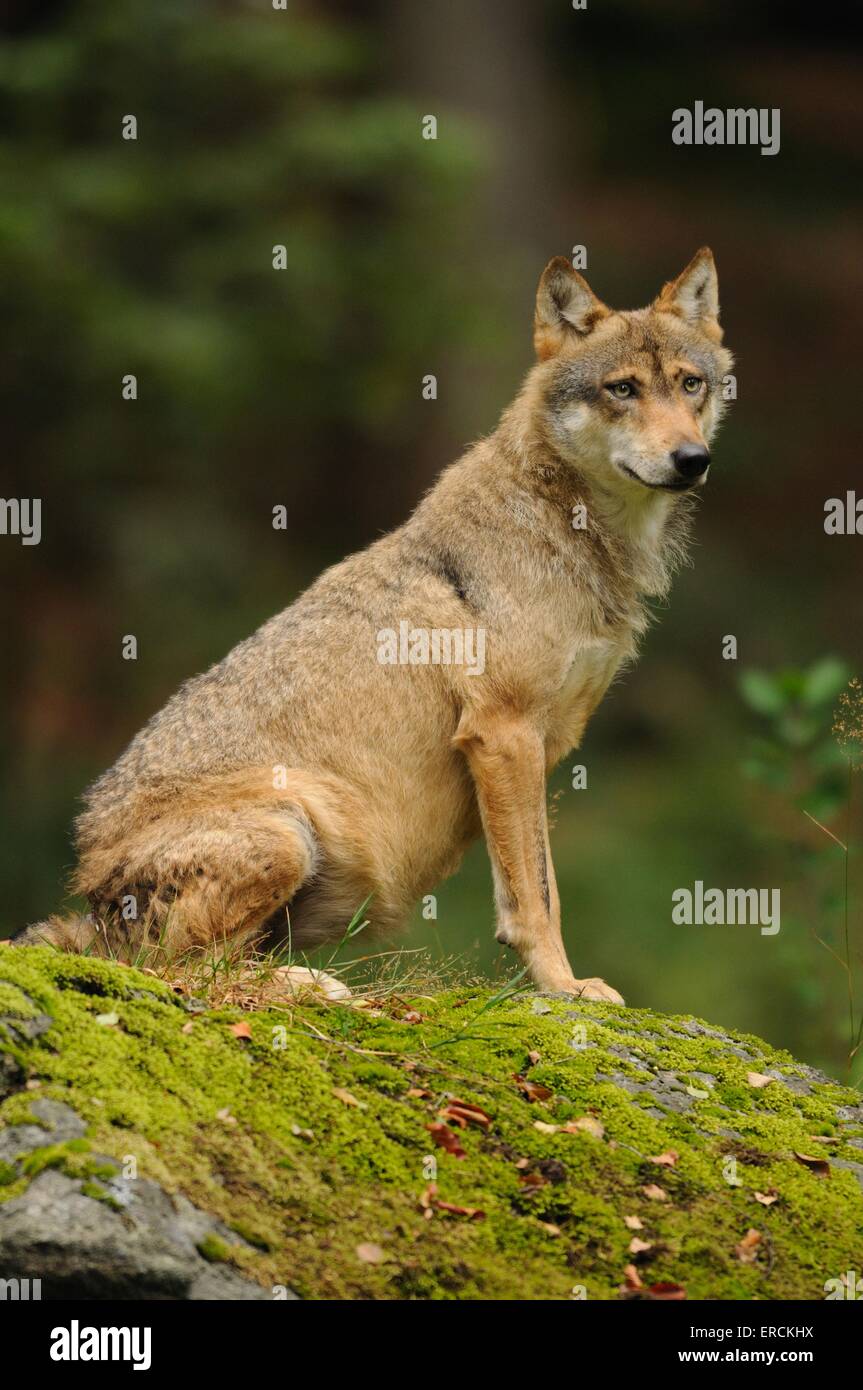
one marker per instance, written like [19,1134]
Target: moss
[92,1189]
[214,1250]
[14,1003]
[267,1139]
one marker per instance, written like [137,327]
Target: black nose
[691,460]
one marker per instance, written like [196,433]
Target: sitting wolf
[313,766]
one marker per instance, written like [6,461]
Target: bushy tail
[75,933]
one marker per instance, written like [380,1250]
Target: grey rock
[59,1124]
[81,1247]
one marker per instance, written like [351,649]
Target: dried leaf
[532,1180]
[187,1027]
[225,1116]
[241,1029]
[766,1198]
[533,1058]
[757,1079]
[668,1159]
[587,1124]
[472,1213]
[370,1254]
[747,1250]
[656,1194]
[633,1278]
[347,1099]
[411,1016]
[302,1133]
[530,1089]
[417,1093]
[445,1139]
[634,1223]
[464,1113]
[108,1020]
[819,1166]
[544,1128]
[638,1247]
[666,1293]
[550,1228]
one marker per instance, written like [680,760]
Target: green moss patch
[318,1139]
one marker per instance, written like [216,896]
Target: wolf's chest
[586,678]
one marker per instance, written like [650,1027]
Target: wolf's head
[632,398]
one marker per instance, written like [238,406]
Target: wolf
[306,773]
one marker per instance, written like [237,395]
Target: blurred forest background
[302,127]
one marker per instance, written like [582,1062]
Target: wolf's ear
[565,304]
[694,295]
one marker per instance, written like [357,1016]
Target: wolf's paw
[596,989]
[293,981]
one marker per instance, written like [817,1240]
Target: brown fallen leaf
[655,1194]
[667,1159]
[587,1124]
[533,1058]
[532,1180]
[522,1163]
[417,1093]
[634,1223]
[241,1029]
[550,1228]
[766,1198]
[411,1016]
[472,1213]
[819,1166]
[301,1133]
[347,1099]
[638,1247]
[632,1277]
[430,1203]
[666,1293]
[747,1250]
[187,1027]
[530,1089]
[757,1079]
[464,1113]
[444,1137]
[225,1116]
[370,1254]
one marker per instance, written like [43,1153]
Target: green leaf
[823,681]
[762,693]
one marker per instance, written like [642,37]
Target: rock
[174,1155]
[83,1247]
[59,1124]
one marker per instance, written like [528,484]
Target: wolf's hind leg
[217,875]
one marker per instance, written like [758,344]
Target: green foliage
[806,757]
[796,753]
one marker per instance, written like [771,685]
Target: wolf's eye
[620,389]
[691,384]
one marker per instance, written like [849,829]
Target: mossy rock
[301,1159]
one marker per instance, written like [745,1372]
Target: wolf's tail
[74,933]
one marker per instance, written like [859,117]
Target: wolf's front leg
[507,760]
